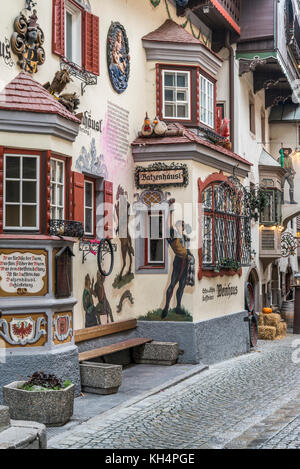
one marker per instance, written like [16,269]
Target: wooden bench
[104,330]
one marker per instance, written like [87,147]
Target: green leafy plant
[228,263]
[41,381]
[258,201]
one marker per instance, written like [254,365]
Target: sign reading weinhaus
[23,272]
[159,175]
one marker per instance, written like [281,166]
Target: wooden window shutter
[78,197]
[91,43]
[58,27]
[108,209]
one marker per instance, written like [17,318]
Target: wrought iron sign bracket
[88,247]
[87,78]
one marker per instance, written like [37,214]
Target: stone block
[156,353]
[100,378]
[52,408]
[4,418]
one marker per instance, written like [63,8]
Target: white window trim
[56,185]
[164,71]
[21,204]
[92,208]
[77,29]
[149,215]
[206,103]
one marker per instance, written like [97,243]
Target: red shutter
[58,27]
[91,43]
[108,209]
[78,197]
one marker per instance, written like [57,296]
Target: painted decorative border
[162,167]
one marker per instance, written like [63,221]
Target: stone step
[24,435]
[4,418]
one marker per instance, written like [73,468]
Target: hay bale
[272,319]
[261,321]
[266,332]
[281,330]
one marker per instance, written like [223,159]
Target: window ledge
[26,237]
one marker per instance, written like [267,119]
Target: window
[251,114]
[271,215]
[89,208]
[176,94]
[226,232]
[73,33]
[21,192]
[155,239]
[57,189]
[207,101]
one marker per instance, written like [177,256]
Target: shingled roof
[170,31]
[188,137]
[23,93]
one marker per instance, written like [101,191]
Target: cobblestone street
[249,401]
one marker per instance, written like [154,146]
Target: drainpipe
[231,86]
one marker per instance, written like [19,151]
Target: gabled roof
[188,137]
[170,31]
[23,93]
[267,160]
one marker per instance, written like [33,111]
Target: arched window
[226,233]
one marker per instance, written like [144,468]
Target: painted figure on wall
[118,57]
[93,313]
[125,238]
[183,272]
[286,163]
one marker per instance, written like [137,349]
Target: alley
[214,409]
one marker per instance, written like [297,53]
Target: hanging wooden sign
[161,175]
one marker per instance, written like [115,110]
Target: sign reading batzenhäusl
[160,174]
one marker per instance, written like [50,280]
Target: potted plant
[228,263]
[43,398]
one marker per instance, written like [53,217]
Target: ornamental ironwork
[226,227]
[87,78]
[288,245]
[71,228]
[28,39]
[118,58]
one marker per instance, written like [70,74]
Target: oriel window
[57,189]
[176,94]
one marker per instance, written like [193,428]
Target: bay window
[21,192]
[57,189]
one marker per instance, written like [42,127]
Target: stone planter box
[100,378]
[52,408]
[157,353]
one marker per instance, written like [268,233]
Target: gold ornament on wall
[27,40]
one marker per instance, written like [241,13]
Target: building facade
[146,123]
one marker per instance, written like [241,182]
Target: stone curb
[110,415]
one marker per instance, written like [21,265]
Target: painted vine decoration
[118,58]
[27,40]
[162,167]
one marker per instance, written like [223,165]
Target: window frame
[148,263]
[23,154]
[176,88]
[93,208]
[252,117]
[213,84]
[72,7]
[64,162]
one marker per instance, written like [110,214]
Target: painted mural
[118,58]
[95,313]
[127,250]
[286,163]
[89,162]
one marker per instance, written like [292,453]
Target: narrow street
[250,401]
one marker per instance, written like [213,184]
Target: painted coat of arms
[118,58]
